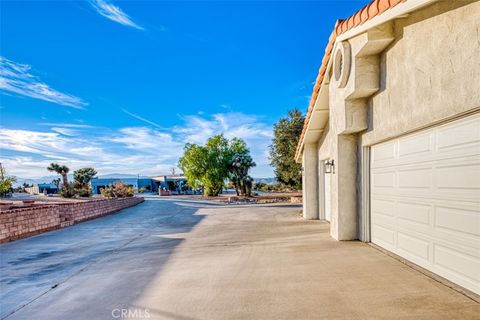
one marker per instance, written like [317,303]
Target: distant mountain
[48,179]
[45,179]
[265,180]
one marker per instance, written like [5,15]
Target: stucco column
[310,181]
[344,206]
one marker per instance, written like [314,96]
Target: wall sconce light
[330,166]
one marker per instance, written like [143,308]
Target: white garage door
[425,199]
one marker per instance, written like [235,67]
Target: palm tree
[61,170]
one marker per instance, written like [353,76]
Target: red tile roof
[374,8]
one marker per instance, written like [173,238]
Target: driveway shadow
[87,270]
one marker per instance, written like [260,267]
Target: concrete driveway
[169,259]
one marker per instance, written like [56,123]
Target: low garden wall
[20,223]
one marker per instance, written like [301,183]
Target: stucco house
[96,184]
[41,188]
[391,142]
[150,184]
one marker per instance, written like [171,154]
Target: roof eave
[346,29]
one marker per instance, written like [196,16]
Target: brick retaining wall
[24,222]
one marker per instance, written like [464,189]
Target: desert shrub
[83,192]
[266,187]
[106,192]
[67,191]
[259,185]
[117,190]
[271,187]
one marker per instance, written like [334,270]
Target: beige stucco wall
[429,72]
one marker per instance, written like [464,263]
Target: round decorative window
[341,64]
[338,64]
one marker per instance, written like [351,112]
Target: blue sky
[122,85]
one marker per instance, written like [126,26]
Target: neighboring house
[42,188]
[137,183]
[391,143]
[168,182]
[175,182]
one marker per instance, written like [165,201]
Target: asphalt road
[178,259]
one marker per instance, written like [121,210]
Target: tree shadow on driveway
[87,270]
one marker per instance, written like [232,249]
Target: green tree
[207,166]
[238,146]
[239,167]
[211,165]
[82,177]
[282,151]
[6,182]
[81,180]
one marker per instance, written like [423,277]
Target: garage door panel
[450,240]
[416,145]
[464,222]
[384,207]
[411,245]
[465,176]
[384,222]
[457,262]
[425,199]
[414,229]
[384,180]
[384,235]
[441,197]
[384,153]
[415,178]
[415,212]
[458,135]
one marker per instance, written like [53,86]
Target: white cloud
[136,116]
[114,13]
[147,140]
[198,129]
[256,133]
[46,144]
[66,125]
[66,131]
[144,150]
[16,78]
